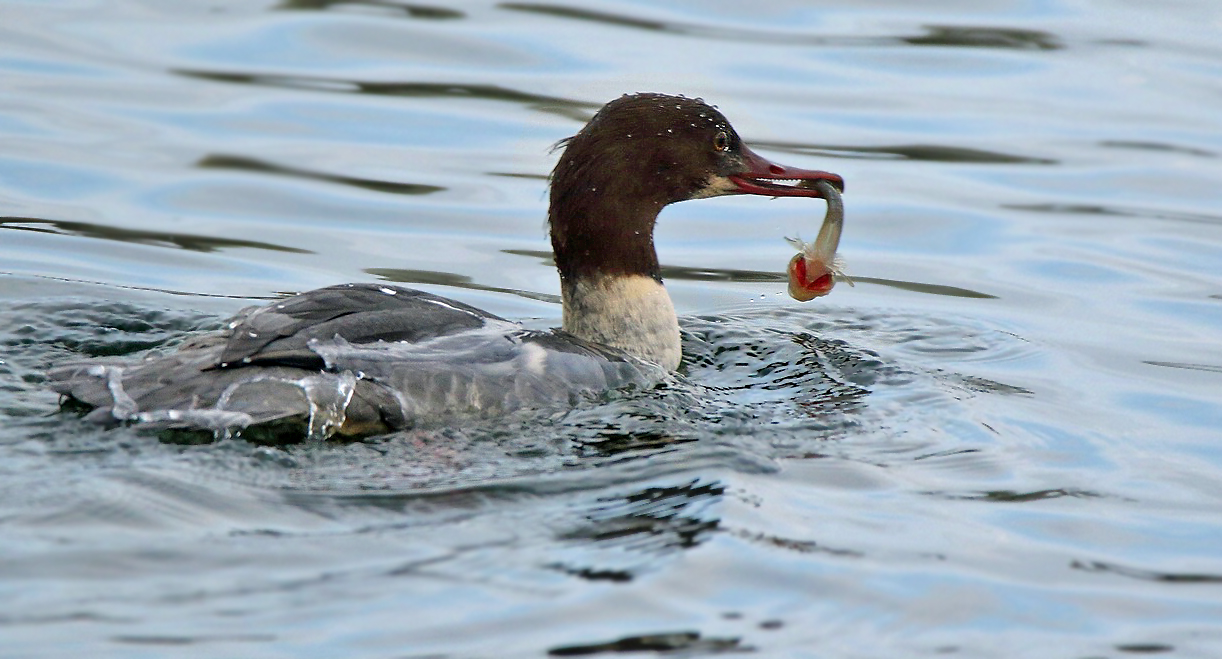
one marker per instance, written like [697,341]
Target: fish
[814,269]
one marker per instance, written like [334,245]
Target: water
[1004,441]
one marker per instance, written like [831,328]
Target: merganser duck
[361,359]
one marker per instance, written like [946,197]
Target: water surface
[1003,441]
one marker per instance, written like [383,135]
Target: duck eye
[721,141]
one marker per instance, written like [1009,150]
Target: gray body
[353,359]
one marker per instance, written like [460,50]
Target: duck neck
[610,281]
[630,312]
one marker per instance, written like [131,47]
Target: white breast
[632,313]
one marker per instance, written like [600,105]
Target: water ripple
[935,35]
[241,163]
[135,236]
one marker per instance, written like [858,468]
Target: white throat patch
[630,312]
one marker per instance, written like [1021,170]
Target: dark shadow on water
[985,385]
[578,110]
[985,37]
[172,641]
[608,18]
[154,289]
[653,520]
[685,273]
[918,152]
[532,177]
[97,329]
[1157,146]
[935,35]
[1147,575]
[930,289]
[1114,211]
[137,236]
[594,574]
[1208,368]
[1145,648]
[621,535]
[1009,496]
[612,441]
[241,163]
[684,644]
[413,10]
[798,546]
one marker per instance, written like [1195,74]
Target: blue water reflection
[1003,441]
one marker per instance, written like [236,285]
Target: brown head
[639,153]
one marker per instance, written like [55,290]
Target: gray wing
[183,389]
[279,333]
